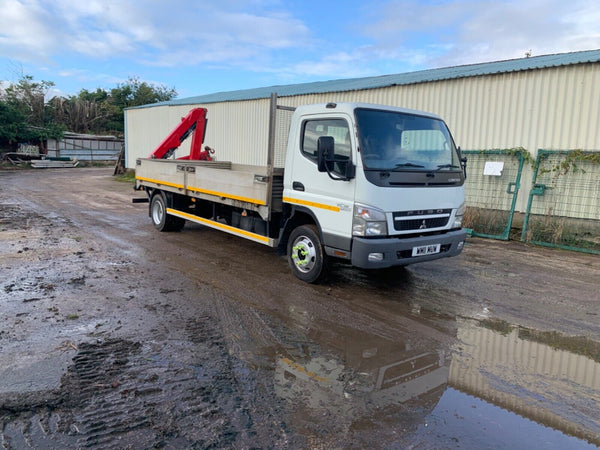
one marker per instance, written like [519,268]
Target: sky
[202,47]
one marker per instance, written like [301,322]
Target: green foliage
[127,177]
[27,96]
[11,123]
[134,93]
[520,151]
[570,162]
[26,116]
[80,114]
[514,151]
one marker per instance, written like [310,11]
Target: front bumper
[398,251]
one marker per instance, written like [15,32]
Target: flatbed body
[245,187]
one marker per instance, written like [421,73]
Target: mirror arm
[463,161]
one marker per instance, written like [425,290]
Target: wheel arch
[298,216]
[168,197]
[151,194]
[171,223]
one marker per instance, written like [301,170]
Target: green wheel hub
[304,254]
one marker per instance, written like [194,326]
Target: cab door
[326,195]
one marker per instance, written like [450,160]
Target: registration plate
[423,250]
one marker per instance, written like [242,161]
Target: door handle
[297,186]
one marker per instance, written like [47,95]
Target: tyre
[305,254]
[160,219]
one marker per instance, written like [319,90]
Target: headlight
[460,212]
[368,221]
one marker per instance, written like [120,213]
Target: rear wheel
[160,219]
[305,254]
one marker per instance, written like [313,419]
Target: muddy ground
[113,335]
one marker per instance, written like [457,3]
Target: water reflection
[495,386]
[343,382]
[550,379]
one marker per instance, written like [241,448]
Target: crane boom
[195,123]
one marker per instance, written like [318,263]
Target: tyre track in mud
[121,393]
[150,366]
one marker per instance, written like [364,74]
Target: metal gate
[563,209]
[492,185]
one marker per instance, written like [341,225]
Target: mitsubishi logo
[423,225]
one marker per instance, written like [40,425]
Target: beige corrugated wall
[553,108]
[238,131]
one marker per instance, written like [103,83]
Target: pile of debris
[30,154]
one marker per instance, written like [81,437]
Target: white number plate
[426,250]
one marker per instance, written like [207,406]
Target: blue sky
[200,47]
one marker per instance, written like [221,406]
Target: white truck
[376,186]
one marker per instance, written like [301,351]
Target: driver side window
[336,128]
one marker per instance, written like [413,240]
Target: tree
[25,114]
[28,97]
[134,93]
[11,124]
[81,114]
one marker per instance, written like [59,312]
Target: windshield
[400,141]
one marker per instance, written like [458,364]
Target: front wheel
[305,254]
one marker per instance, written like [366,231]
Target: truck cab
[377,186]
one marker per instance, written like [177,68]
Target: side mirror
[325,145]
[326,160]
[463,162]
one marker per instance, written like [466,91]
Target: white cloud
[335,65]
[462,32]
[25,30]
[167,33]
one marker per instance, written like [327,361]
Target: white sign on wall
[493,168]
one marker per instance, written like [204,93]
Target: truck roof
[349,107]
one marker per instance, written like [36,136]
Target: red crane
[195,123]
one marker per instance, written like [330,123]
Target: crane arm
[194,122]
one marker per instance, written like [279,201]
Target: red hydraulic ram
[195,123]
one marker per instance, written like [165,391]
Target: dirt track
[115,335]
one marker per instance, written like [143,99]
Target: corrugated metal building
[549,102]
[85,147]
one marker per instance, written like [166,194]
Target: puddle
[496,386]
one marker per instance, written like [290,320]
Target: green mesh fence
[492,185]
[563,209]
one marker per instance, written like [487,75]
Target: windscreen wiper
[447,166]
[407,164]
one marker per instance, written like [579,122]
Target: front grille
[421,220]
[420,224]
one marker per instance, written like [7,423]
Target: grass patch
[566,232]
[127,177]
[486,221]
